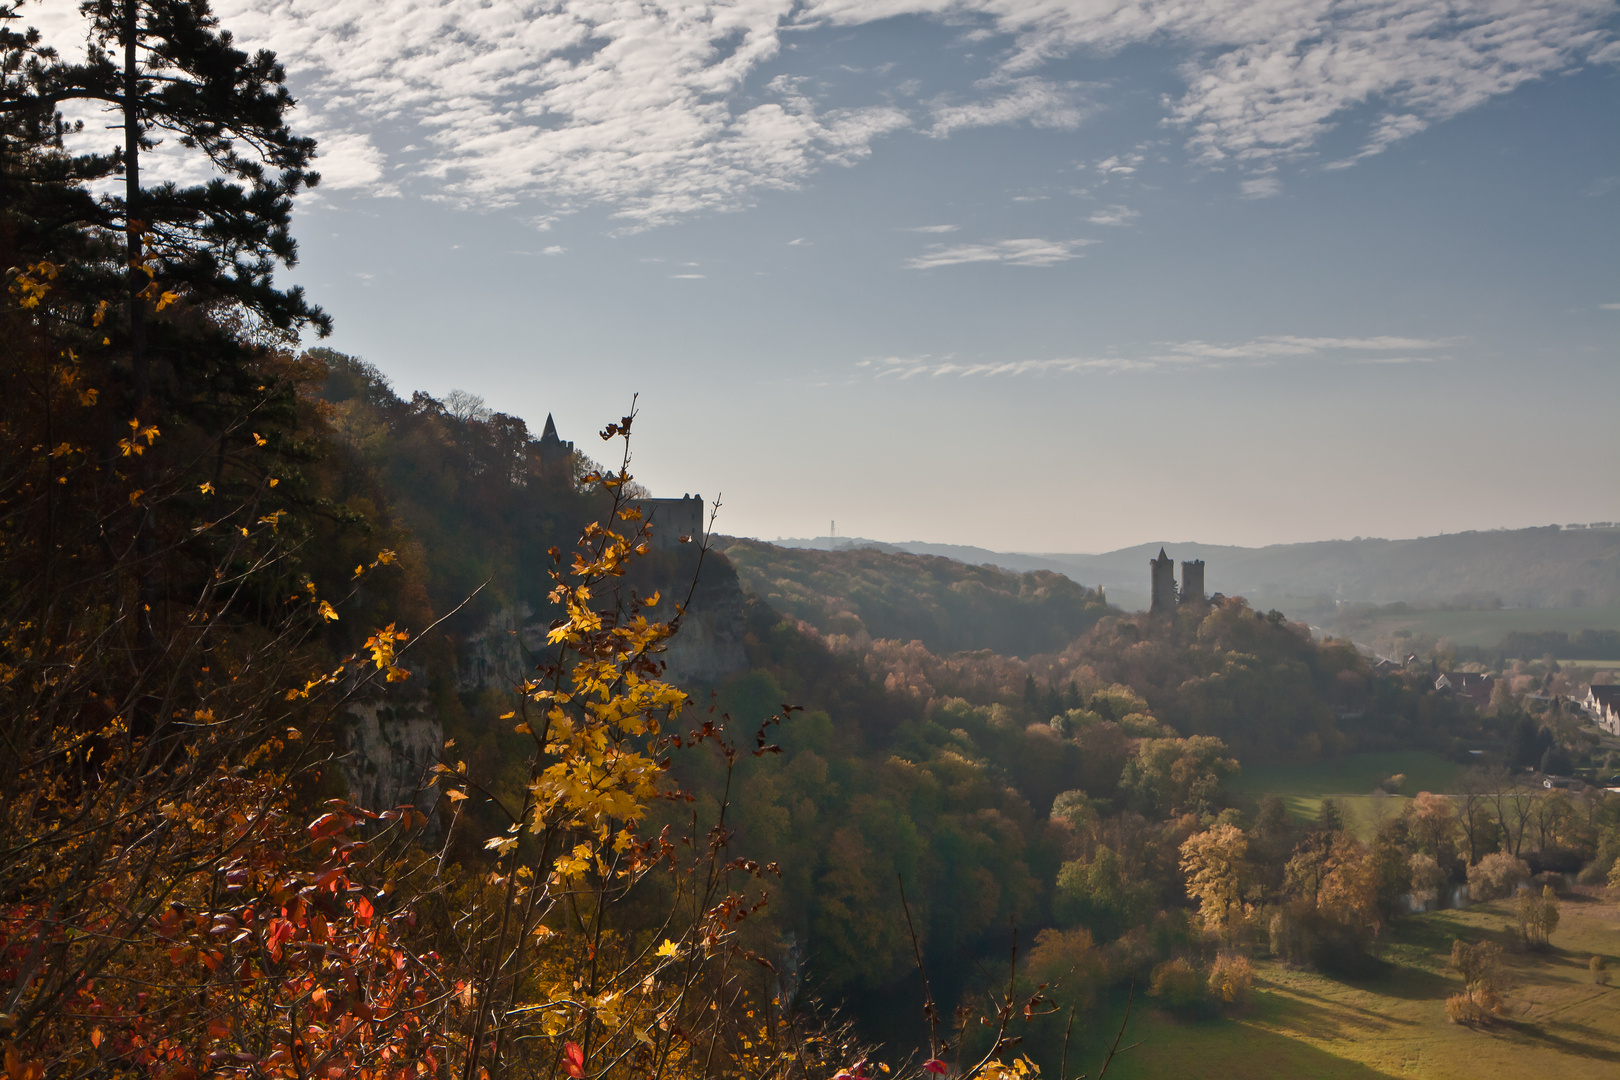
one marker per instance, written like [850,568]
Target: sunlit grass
[1304,1024]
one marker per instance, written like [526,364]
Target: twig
[1115,1050]
[1063,1066]
[930,1011]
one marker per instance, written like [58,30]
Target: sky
[1032,275]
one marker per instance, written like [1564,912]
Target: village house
[1469,684]
[1602,703]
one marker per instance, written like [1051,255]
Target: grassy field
[1484,627]
[1301,1024]
[1351,780]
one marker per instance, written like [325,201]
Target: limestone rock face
[708,648]
[502,654]
[393,738]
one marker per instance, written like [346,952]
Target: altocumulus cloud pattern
[659,111]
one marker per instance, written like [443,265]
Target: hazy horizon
[1044,276]
[1185,541]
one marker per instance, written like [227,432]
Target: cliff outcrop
[394,736]
[707,649]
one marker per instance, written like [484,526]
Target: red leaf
[574,1060]
[934,1065]
[327,824]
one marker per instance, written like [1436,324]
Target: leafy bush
[1484,982]
[1180,987]
[1495,876]
[1537,917]
[1231,978]
[1427,877]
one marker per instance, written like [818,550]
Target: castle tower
[556,456]
[670,519]
[1164,584]
[1192,582]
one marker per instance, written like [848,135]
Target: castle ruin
[1163,576]
[556,456]
[1192,582]
[670,519]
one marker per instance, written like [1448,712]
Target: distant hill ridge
[1549,566]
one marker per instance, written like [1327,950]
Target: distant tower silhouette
[556,456]
[1192,582]
[1164,584]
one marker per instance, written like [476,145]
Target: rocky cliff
[707,649]
[393,739]
[393,736]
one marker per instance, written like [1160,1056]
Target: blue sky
[1027,274]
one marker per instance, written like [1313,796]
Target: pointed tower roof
[550,432]
[1162,556]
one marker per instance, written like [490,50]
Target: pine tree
[43,192]
[169,71]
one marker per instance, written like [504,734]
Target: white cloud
[1114,215]
[1267,80]
[688,277]
[1179,355]
[1260,187]
[932,228]
[1119,165]
[1028,252]
[649,109]
[1610,307]
[1026,99]
[895,367]
[1281,346]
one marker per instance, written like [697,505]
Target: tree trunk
[139,365]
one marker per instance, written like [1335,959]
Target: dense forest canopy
[945,604]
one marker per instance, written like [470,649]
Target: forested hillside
[947,605]
[1543,567]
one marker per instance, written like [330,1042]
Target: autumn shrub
[1231,977]
[1069,963]
[1427,878]
[1497,875]
[1484,983]
[1537,916]
[1177,985]
[1131,957]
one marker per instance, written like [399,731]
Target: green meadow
[1561,1025]
[1352,780]
[1483,627]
